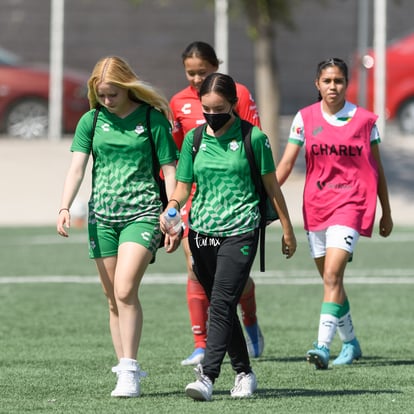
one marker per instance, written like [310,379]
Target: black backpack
[267,212]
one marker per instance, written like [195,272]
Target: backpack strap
[256,177]
[155,162]
[95,120]
[197,137]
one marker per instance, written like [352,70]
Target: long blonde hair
[116,71]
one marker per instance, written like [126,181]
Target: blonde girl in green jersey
[125,204]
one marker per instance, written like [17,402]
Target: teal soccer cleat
[319,356]
[350,351]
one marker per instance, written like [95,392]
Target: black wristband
[176,202]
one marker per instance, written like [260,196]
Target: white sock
[346,328]
[327,329]
[128,364]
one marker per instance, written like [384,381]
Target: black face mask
[217,121]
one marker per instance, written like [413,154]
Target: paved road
[32,174]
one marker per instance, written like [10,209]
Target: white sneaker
[202,389]
[244,385]
[129,374]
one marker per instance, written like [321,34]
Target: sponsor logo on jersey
[139,129]
[186,108]
[341,150]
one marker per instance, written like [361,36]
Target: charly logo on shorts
[349,240]
[245,250]
[146,235]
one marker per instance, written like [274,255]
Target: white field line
[294,277]
[300,277]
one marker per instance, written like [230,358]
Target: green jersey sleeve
[82,140]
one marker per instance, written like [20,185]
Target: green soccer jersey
[123,185]
[225,202]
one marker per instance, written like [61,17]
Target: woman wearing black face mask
[224,221]
[200,60]
[217,121]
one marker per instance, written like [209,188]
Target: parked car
[24,94]
[399,89]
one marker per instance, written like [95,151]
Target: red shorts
[185,211]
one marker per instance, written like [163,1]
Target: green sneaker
[350,351]
[319,356]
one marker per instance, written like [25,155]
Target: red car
[399,82]
[24,94]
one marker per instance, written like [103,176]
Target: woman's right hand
[63,221]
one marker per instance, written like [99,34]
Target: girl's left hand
[288,245]
[172,241]
[385,225]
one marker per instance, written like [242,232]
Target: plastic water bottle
[173,219]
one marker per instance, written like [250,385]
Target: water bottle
[173,219]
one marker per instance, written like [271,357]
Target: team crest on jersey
[139,129]
[267,143]
[234,146]
[203,147]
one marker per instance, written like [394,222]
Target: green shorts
[104,239]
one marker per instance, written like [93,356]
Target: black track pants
[222,266]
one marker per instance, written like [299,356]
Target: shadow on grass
[275,359]
[267,393]
[300,392]
[382,361]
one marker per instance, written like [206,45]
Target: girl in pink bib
[344,177]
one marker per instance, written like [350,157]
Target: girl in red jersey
[344,177]
[199,61]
